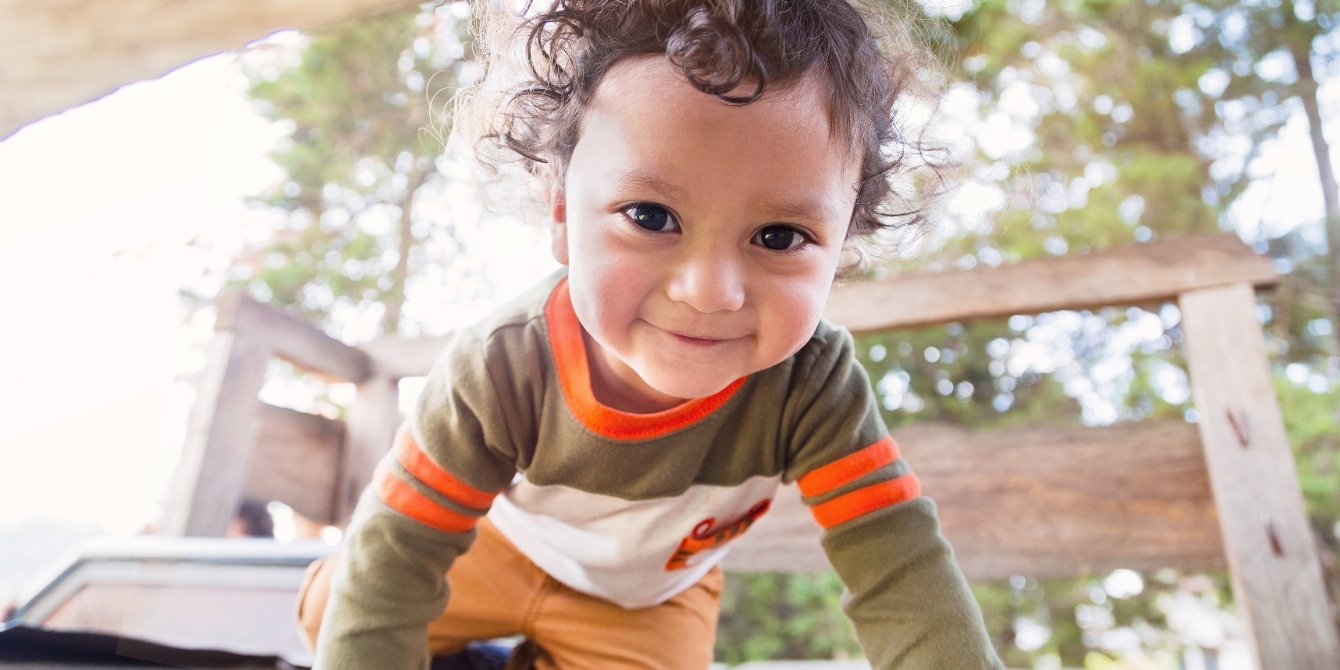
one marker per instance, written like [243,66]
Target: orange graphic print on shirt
[706,536]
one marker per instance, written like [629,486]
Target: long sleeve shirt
[634,508]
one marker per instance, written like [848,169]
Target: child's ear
[558,225]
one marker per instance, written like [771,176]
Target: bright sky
[100,205]
[109,209]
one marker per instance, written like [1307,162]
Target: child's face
[702,238]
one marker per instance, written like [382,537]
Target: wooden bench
[1039,501]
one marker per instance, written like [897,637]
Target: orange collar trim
[574,377]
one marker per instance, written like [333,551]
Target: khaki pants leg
[312,596]
[490,584]
[580,632]
[497,592]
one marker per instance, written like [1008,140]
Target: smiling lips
[694,340]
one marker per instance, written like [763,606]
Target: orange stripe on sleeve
[863,501]
[849,468]
[400,497]
[417,463]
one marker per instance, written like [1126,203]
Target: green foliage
[1312,420]
[365,108]
[783,616]
[1098,90]
[1143,119]
[1082,622]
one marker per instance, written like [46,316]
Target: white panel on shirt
[618,549]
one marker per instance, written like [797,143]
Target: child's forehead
[653,78]
[648,130]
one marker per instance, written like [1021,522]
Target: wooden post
[216,459]
[58,55]
[370,425]
[1276,573]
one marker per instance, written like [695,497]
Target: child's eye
[780,238]
[652,217]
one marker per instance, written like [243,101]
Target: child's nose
[710,283]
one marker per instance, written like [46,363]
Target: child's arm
[908,599]
[417,516]
[388,587]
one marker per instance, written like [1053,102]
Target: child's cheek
[797,309]
[608,289]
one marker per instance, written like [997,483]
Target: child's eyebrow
[801,211]
[634,179]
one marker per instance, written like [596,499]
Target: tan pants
[498,592]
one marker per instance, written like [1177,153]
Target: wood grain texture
[216,458]
[397,357]
[1036,501]
[56,54]
[1276,572]
[293,339]
[1128,275]
[296,461]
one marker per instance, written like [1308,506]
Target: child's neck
[617,386]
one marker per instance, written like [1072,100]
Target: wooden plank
[1129,275]
[62,53]
[1276,573]
[398,357]
[293,339]
[370,425]
[296,460]
[1036,501]
[207,485]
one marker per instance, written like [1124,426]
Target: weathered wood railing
[238,446]
[1036,501]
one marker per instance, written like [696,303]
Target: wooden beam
[1276,572]
[1128,275]
[1036,501]
[216,458]
[398,357]
[63,53]
[370,425]
[292,339]
[297,461]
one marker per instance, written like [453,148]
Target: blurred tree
[1129,120]
[365,109]
[777,616]
[1278,49]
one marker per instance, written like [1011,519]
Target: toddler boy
[580,461]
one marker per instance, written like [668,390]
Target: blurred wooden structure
[1040,501]
[238,446]
[56,54]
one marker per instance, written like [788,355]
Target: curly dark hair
[864,60]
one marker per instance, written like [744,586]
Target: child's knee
[312,597]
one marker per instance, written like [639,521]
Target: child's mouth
[696,341]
